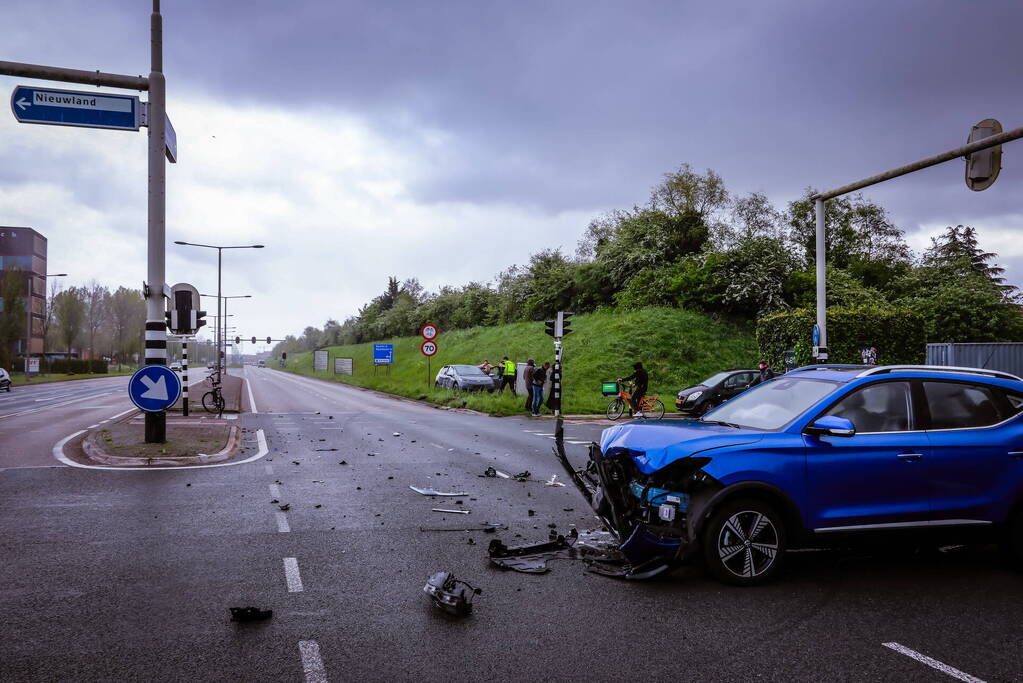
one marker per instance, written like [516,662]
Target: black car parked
[464,378]
[713,391]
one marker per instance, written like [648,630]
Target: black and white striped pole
[184,376]
[156,326]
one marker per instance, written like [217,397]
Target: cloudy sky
[447,140]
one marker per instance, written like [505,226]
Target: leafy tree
[649,239]
[756,271]
[96,298]
[957,251]
[127,315]
[69,310]
[754,216]
[12,314]
[550,285]
[685,191]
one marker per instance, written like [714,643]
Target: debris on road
[457,512]
[553,481]
[396,434]
[431,492]
[250,614]
[317,505]
[523,476]
[531,558]
[285,506]
[323,449]
[343,462]
[485,527]
[491,472]
[449,594]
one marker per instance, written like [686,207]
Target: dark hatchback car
[713,391]
[464,378]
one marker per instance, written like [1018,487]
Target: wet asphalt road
[127,575]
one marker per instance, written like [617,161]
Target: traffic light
[563,327]
[551,324]
[268,340]
[237,341]
[198,319]
[284,355]
[167,315]
[253,340]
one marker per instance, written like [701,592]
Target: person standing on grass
[539,377]
[507,375]
[527,375]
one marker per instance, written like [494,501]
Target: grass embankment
[18,378]
[678,348]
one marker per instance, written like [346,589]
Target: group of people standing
[535,376]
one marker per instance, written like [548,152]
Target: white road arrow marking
[155,390]
[23,103]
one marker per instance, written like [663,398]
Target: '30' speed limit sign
[429,348]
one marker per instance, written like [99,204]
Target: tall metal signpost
[983,161]
[558,328]
[100,110]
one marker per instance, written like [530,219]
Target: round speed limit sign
[429,348]
[429,331]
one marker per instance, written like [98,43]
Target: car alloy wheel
[744,543]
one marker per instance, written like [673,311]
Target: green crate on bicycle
[609,388]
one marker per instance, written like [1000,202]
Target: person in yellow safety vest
[508,371]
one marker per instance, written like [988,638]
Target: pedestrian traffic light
[253,340]
[198,319]
[237,341]
[268,340]
[550,324]
[564,326]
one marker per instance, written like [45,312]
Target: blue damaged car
[810,458]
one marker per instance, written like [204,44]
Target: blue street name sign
[73,108]
[154,388]
[383,354]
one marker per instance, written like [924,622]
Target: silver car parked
[464,378]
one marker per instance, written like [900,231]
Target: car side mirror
[831,425]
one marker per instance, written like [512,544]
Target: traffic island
[189,442]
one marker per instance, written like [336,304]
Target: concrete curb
[96,453]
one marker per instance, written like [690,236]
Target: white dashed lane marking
[312,664]
[275,491]
[282,526]
[292,576]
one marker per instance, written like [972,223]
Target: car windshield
[772,405]
[467,370]
[714,380]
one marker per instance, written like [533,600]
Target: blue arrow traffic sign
[74,108]
[154,388]
[816,335]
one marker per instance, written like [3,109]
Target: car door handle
[910,456]
[1016,454]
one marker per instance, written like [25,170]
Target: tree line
[694,245]
[87,321]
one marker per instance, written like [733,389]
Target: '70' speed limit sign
[429,348]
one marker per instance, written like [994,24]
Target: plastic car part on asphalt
[450,594]
[431,492]
[598,549]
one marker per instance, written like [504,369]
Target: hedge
[77,367]
[899,335]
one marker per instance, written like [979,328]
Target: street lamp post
[220,250]
[223,328]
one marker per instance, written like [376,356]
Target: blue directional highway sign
[154,388]
[383,354]
[89,109]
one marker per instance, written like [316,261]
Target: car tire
[744,543]
[707,407]
[456,386]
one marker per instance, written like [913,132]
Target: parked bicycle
[650,406]
[213,400]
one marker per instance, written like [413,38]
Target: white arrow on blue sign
[75,108]
[154,388]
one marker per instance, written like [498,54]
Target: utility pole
[156,326]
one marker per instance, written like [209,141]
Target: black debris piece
[523,476]
[317,506]
[285,506]
[330,417]
[413,441]
[552,525]
[568,509]
[274,501]
[531,558]
[250,614]
[187,484]
[296,462]
[324,449]
[343,462]
[532,513]
[470,541]
[358,488]
[490,472]
[450,595]
[390,477]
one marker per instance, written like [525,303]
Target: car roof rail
[883,369]
[829,366]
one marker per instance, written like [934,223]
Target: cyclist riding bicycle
[641,380]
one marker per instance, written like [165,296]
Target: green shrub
[75,366]
[899,335]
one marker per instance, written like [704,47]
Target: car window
[958,405]
[882,407]
[1015,403]
[739,380]
[772,405]
[467,370]
[714,380]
